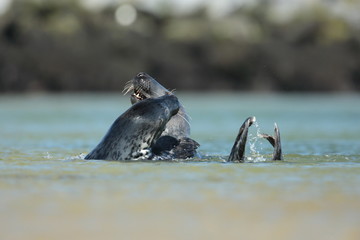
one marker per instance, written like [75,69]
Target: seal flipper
[238,150]
[164,144]
[168,147]
[268,137]
[275,141]
[186,148]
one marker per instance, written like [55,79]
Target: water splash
[47,156]
[80,156]
[255,145]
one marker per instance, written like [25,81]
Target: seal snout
[141,75]
[140,85]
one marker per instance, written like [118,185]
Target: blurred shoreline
[60,46]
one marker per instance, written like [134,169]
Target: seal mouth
[140,86]
[138,94]
[143,86]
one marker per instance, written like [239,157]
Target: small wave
[53,156]
[48,156]
[80,156]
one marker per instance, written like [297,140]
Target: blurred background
[98,45]
[83,49]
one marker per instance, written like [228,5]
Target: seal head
[143,86]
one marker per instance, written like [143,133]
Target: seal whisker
[183,117]
[144,87]
[158,93]
[129,83]
[128,87]
[126,91]
[189,117]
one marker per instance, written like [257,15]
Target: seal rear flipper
[268,137]
[275,141]
[238,149]
[164,144]
[186,148]
[168,147]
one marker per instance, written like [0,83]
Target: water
[48,192]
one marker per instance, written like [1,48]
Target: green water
[47,191]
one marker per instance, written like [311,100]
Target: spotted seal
[134,133]
[156,127]
[177,130]
[143,86]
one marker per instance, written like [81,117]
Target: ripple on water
[52,193]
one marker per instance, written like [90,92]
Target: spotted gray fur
[144,86]
[132,134]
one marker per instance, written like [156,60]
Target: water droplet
[255,145]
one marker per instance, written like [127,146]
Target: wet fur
[179,125]
[156,127]
[133,134]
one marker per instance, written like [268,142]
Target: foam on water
[47,156]
[80,156]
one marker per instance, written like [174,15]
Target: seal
[135,135]
[135,132]
[156,127]
[144,86]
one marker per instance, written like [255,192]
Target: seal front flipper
[186,148]
[168,147]
[238,150]
[275,141]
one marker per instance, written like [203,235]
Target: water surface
[47,191]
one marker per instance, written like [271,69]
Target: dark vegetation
[62,46]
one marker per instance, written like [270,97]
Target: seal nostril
[140,75]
